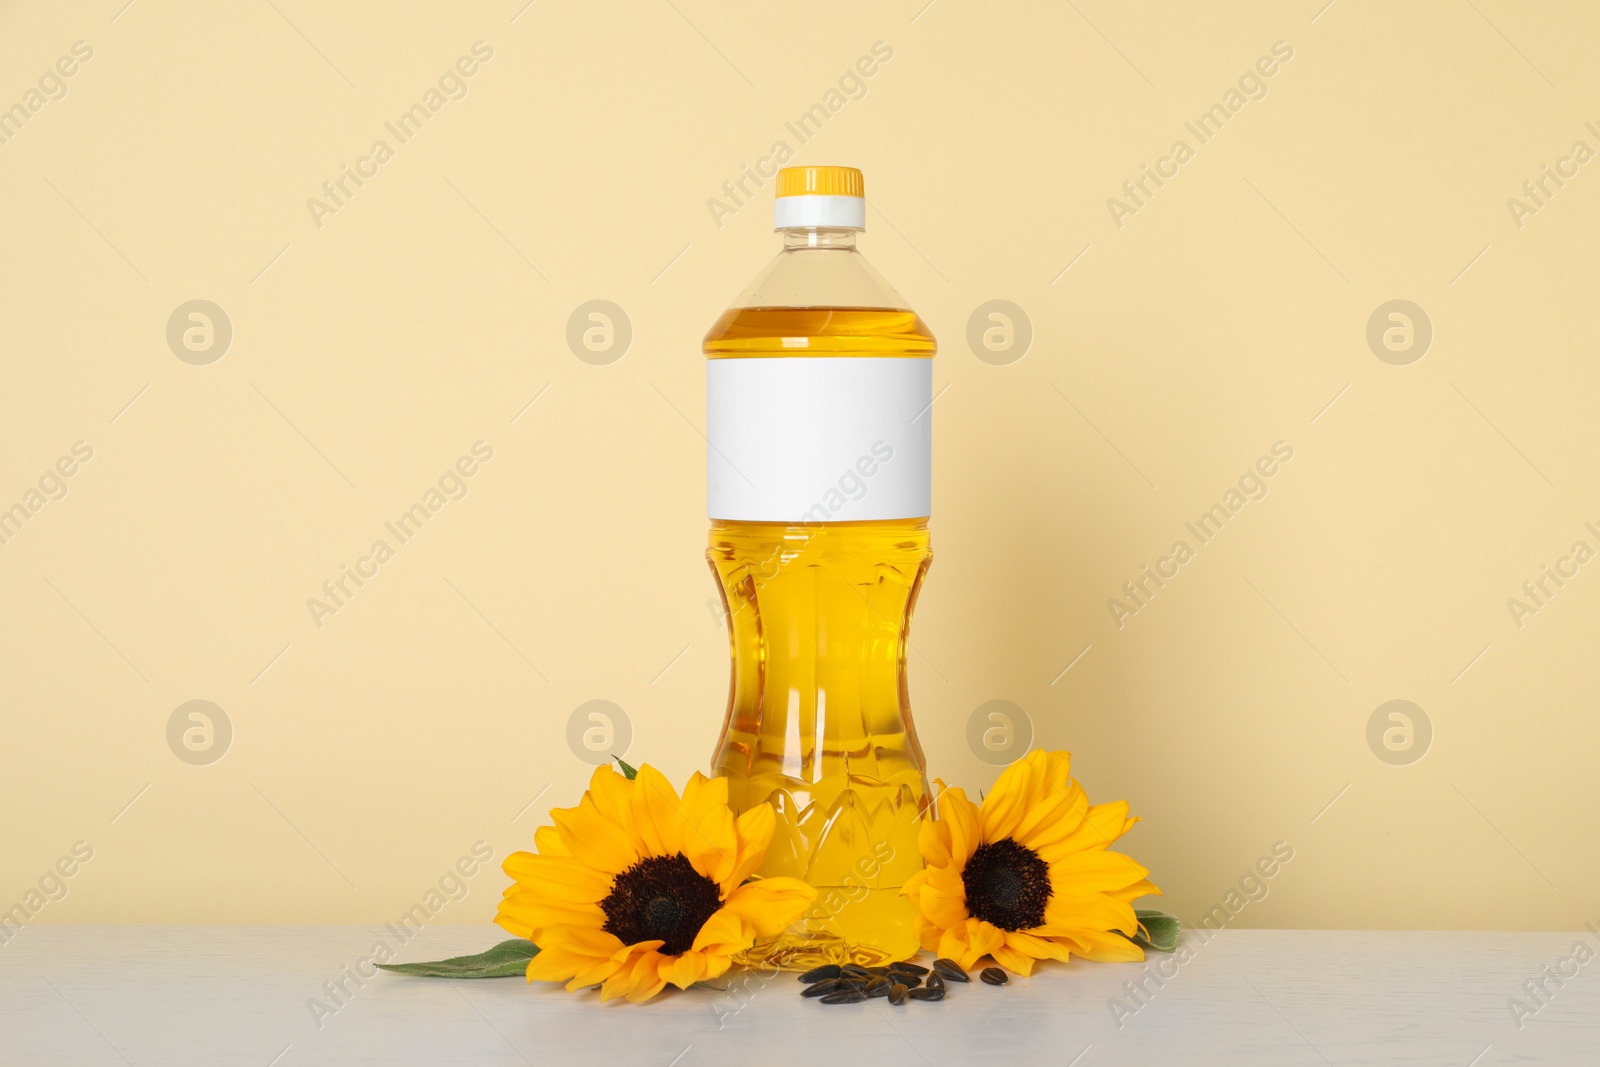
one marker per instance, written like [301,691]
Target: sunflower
[1029,875]
[637,887]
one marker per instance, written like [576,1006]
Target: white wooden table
[239,995]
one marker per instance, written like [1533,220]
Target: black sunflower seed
[934,981]
[925,994]
[910,981]
[897,993]
[881,971]
[908,967]
[994,976]
[826,986]
[857,970]
[950,969]
[845,996]
[817,974]
[878,987]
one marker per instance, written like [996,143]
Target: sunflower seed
[925,994]
[908,967]
[845,996]
[934,981]
[950,969]
[910,981]
[857,970]
[878,987]
[897,993]
[994,976]
[817,974]
[826,986]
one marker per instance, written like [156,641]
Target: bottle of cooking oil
[819,390]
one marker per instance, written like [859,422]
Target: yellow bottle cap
[820,181]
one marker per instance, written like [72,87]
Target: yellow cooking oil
[818,721]
[825,331]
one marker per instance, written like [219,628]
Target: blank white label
[819,438]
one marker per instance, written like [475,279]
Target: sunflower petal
[942,898]
[547,839]
[954,944]
[1057,821]
[610,792]
[702,825]
[1060,811]
[1099,871]
[657,813]
[1100,828]
[768,906]
[601,969]
[716,966]
[534,915]
[556,965]
[1013,959]
[637,979]
[723,934]
[943,910]
[933,841]
[1096,910]
[645,988]
[512,925]
[702,795]
[594,839]
[1059,770]
[558,877]
[963,818]
[1040,948]
[583,955]
[1104,947]
[982,940]
[593,942]
[714,850]
[1143,888]
[1007,802]
[752,833]
[685,970]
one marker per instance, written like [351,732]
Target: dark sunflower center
[1007,885]
[660,898]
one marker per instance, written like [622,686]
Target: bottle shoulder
[822,300]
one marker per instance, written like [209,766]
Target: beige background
[369,353]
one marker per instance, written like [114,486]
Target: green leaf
[629,771]
[1157,929]
[508,959]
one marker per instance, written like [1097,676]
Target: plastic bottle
[819,395]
